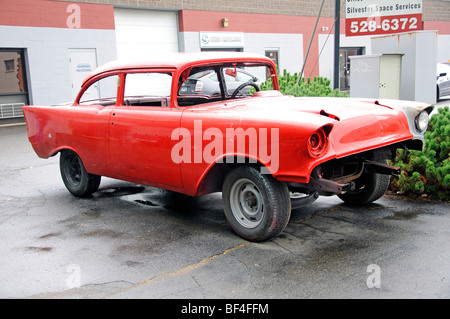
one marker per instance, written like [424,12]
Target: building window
[9,66]
[273,55]
[13,80]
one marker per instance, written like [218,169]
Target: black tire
[369,188]
[75,177]
[257,206]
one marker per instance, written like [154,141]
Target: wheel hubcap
[247,203]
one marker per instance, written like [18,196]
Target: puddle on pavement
[403,215]
[145,202]
[50,235]
[119,191]
[39,249]
[153,197]
[148,197]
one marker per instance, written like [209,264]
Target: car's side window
[101,92]
[147,89]
[198,86]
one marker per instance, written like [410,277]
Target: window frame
[172,71]
[148,71]
[97,78]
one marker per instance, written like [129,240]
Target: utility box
[376,76]
[418,63]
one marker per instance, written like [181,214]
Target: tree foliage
[290,85]
[427,172]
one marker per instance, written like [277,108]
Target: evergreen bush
[290,85]
[427,172]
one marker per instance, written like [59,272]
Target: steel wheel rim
[247,203]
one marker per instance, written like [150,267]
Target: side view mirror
[442,74]
[231,72]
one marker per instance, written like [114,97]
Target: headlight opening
[421,121]
[318,142]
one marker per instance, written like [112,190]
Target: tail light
[318,142]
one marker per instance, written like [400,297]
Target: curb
[12,124]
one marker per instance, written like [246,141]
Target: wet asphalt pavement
[132,241]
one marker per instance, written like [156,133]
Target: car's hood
[345,108]
[338,109]
[303,109]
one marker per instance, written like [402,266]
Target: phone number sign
[372,17]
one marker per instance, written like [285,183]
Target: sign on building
[372,17]
[221,40]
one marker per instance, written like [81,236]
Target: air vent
[11,110]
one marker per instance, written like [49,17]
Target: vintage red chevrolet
[198,123]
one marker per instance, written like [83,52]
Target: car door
[140,141]
[87,123]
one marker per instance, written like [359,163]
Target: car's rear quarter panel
[81,129]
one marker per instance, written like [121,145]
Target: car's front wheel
[75,177]
[257,206]
[369,187]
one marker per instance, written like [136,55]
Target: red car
[266,152]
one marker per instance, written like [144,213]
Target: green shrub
[289,85]
[428,171]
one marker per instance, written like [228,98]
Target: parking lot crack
[182,271]
[282,247]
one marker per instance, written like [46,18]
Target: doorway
[82,62]
[13,83]
[344,66]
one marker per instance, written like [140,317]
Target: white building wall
[47,57]
[443,50]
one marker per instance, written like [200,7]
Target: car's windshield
[222,82]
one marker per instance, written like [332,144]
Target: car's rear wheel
[370,187]
[257,206]
[75,177]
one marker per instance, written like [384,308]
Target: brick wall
[283,7]
[434,10]
[55,14]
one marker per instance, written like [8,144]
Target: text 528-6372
[383,25]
